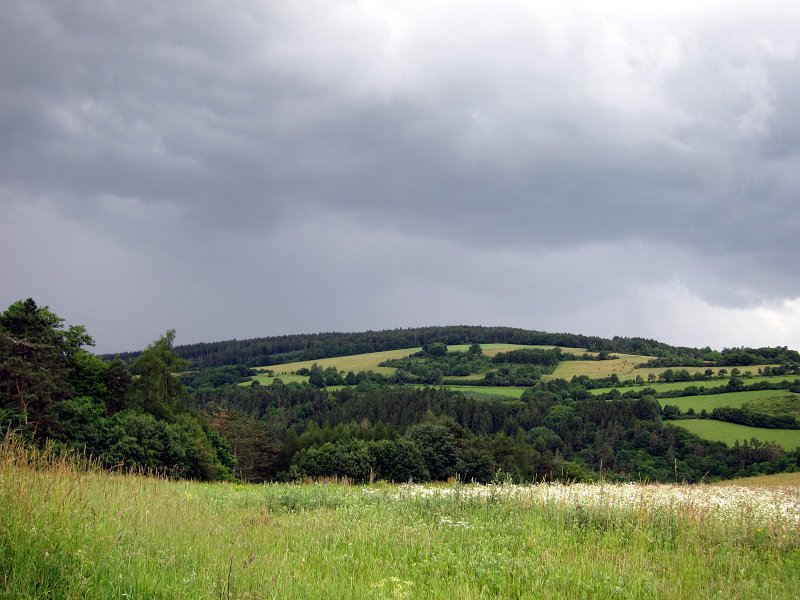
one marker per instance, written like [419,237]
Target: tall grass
[70,530]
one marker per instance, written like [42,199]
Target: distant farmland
[730,433]
[733,399]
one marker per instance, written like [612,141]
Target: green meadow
[77,532]
[371,361]
[509,391]
[730,433]
[733,399]
[356,362]
[265,379]
[682,385]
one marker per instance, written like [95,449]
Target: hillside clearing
[733,399]
[682,385]
[730,433]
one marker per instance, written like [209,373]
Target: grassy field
[265,379]
[370,361]
[732,399]
[625,368]
[778,480]
[67,533]
[681,385]
[355,363]
[511,392]
[494,349]
[731,432]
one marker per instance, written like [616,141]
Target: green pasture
[664,387]
[787,405]
[625,368]
[265,379]
[354,363]
[682,385]
[777,480]
[70,532]
[511,392]
[493,349]
[733,399]
[730,433]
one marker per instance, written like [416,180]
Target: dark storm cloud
[212,149]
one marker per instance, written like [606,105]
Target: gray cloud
[281,167]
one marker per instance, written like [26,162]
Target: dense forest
[191,411]
[53,391]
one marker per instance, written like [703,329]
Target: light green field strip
[682,385]
[285,378]
[778,480]
[625,368]
[729,433]
[371,361]
[466,378]
[511,392]
[732,399]
[354,363]
[493,349]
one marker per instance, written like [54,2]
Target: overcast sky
[253,168]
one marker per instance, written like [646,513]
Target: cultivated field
[355,362]
[730,433]
[509,391]
[682,385]
[81,533]
[625,368]
[733,399]
[778,480]
[265,379]
[371,361]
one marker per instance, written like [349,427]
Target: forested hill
[290,348]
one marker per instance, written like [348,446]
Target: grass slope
[732,399]
[355,362]
[625,368]
[682,385]
[371,361]
[67,533]
[778,480]
[508,391]
[730,433]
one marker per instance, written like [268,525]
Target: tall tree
[36,354]
[156,387]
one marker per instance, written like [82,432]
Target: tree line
[301,347]
[132,415]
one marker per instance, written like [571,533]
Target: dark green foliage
[438,446]
[427,367]
[316,376]
[474,464]
[530,356]
[251,443]
[399,460]
[52,390]
[215,377]
[746,416]
[349,459]
[35,354]
[156,388]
